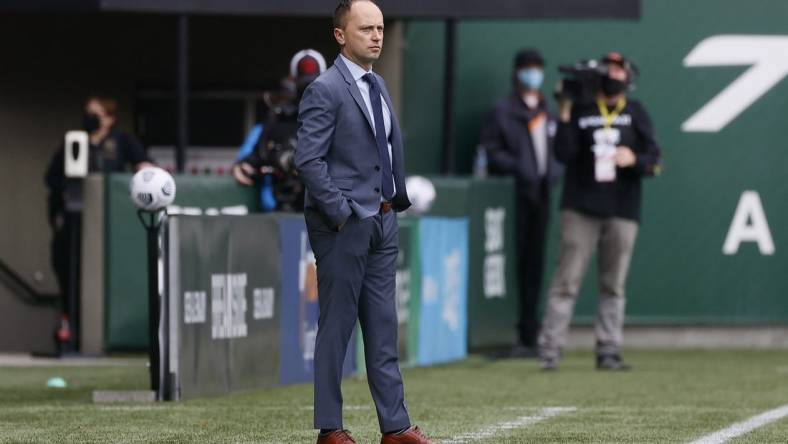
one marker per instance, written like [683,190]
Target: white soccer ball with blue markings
[421,192]
[152,189]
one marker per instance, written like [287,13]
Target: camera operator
[268,152]
[607,143]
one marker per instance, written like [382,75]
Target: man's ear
[339,35]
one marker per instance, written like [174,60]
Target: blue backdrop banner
[443,323]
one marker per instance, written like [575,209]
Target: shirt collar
[356,71]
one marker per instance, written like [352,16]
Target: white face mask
[531,78]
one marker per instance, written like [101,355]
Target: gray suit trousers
[356,280]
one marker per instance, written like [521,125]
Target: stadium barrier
[222,285]
[489,205]
[240,301]
[125,273]
[442,321]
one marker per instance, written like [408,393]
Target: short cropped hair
[340,13]
[109,104]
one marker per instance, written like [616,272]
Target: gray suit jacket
[337,155]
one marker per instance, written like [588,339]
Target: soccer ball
[152,189]
[421,192]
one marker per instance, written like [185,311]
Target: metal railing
[23,291]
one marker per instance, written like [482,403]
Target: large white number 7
[768,56]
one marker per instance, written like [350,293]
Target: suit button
[377,190]
[377,167]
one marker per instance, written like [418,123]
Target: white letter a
[757,230]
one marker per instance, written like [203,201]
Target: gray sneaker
[548,364]
[520,351]
[611,362]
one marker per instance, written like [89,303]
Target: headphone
[306,53]
[633,72]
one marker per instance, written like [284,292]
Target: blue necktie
[387,184]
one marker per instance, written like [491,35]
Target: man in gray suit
[349,156]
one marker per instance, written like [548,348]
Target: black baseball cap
[620,60]
[528,56]
[615,57]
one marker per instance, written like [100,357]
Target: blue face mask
[531,78]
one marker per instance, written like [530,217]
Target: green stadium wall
[680,273]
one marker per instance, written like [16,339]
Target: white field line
[519,423]
[741,428]
[344,407]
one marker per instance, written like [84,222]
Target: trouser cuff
[321,423]
[395,426]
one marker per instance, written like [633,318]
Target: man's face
[362,37]
[616,72]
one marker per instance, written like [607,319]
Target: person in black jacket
[518,138]
[110,150]
[608,146]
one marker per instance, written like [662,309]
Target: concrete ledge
[666,337]
[27,360]
[108,396]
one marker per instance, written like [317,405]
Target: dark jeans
[531,227]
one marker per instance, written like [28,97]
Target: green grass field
[671,396]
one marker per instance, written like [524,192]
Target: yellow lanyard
[609,117]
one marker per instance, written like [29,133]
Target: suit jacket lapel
[353,88]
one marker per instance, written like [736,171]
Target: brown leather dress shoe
[411,436]
[336,437]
